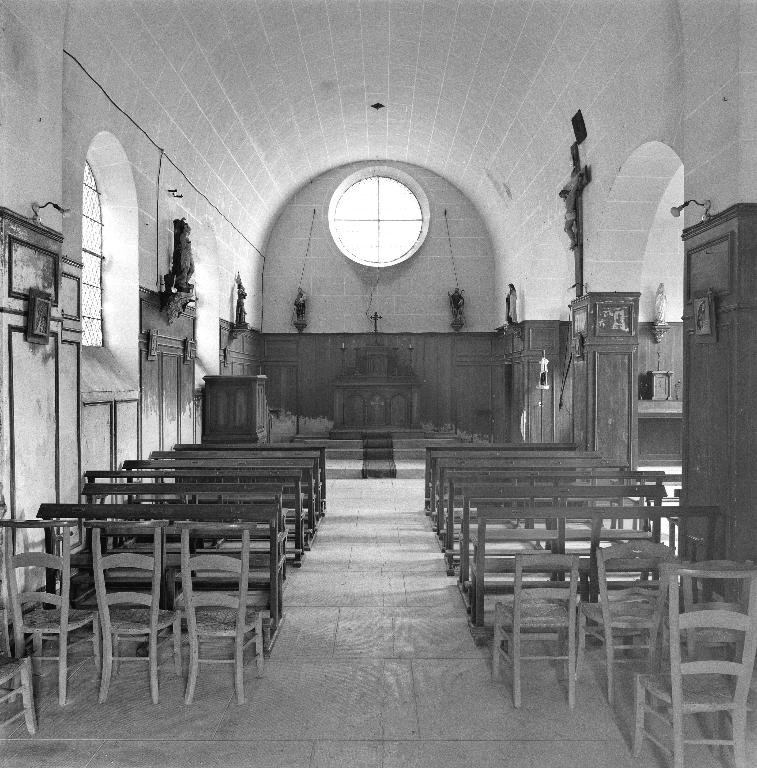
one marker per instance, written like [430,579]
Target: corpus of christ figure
[572,194]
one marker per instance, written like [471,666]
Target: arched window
[92,257]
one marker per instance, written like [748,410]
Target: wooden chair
[702,594]
[41,622]
[130,612]
[634,611]
[695,685]
[10,669]
[212,614]
[537,610]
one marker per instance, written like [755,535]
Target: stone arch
[639,241]
[120,276]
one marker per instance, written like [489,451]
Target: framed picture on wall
[38,317]
[705,327]
[580,320]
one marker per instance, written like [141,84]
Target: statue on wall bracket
[300,311]
[659,326]
[456,305]
[177,292]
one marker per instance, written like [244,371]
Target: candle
[342,346]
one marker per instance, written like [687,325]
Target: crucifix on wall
[572,195]
[376,317]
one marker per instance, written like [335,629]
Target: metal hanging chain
[370,297]
[451,254]
[307,249]
[304,261]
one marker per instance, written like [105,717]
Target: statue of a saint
[456,303]
[183,263]
[511,303]
[660,305]
[240,317]
[300,304]
[570,194]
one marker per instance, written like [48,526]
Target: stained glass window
[92,257]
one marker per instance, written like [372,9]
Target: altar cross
[572,194]
[376,317]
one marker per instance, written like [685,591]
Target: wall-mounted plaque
[614,319]
[38,317]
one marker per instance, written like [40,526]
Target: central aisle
[376,663]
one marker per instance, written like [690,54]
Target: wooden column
[605,336]
[720,370]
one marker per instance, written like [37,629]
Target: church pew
[181,490]
[271,447]
[290,482]
[461,449]
[495,532]
[305,465]
[473,482]
[495,460]
[268,515]
[271,455]
[557,498]
[301,479]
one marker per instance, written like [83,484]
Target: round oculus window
[379,217]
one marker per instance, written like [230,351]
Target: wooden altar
[380,392]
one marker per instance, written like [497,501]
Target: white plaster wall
[410,296]
[31,36]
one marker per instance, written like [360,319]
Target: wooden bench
[484,461]
[264,448]
[500,533]
[471,482]
[267,574]
[286,482]
[273,449]
[461,449]
[305,465]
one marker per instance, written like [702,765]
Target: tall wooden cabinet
[40,370]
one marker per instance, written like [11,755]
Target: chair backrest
[737,618]
[135,563]
[541,563]
[638,556]
[18,595]
[215,563]
[21,595]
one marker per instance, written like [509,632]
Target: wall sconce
[36,208]
[707,204]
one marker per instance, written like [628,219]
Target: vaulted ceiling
[258,97]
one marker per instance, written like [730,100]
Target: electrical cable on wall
[168,157]
[157,222]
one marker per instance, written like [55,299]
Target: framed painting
[705,325]
[580,320]
[38,316]
[614,319]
